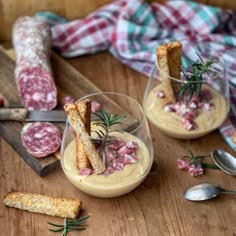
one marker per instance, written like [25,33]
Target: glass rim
[156,68]
[143,116]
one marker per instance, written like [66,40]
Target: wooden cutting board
[68,81]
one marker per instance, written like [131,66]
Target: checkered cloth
[132,29]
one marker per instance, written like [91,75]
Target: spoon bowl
[224,161]
[205,191]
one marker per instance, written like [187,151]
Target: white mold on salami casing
[34,77]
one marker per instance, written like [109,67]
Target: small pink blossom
[182,164]
[195,169]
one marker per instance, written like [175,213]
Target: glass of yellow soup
[191,105]
[120,134]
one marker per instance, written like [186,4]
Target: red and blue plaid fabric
[132,29]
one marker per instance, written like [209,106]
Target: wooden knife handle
[18,114]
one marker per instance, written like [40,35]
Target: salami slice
[41,138]
[34,78]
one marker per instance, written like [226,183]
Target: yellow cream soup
[115,184]
[170,122]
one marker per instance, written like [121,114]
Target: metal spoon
[224,161]
[205,191]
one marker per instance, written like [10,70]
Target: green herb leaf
[70,225]
[106,121]
[194,80]
[208,165]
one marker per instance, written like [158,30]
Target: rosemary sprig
[69,225]
[197,159]
[194,80]
[106,121]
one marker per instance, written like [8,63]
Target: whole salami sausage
[34,78]
[41,138]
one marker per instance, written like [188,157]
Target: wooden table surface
[156,207]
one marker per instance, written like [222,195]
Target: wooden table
[156,207]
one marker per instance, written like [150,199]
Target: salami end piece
[33,72]
[41,138]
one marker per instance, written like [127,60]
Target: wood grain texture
[156,207]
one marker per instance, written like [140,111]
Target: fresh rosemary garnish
[70,225]
[105,121]
[197,159]
[194,79]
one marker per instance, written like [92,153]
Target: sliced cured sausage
[41,138]
[34,78]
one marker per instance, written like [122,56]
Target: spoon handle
[228,192]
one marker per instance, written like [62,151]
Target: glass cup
[127,143]
[198,108]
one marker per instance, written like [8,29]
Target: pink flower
[195,169]
[182,164]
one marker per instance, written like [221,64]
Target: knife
[22,114]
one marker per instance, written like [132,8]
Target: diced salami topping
[188,124]
[118,166]
[95,106]
[34,79]
[108,171]
[86,171]
[116,144]
[118,160]
[132,145]
[41,138]
[67,99]
[110,155]
[117,154]
[160,94]
[193,105]
[189,110]
[206,106]
[205,95]
[124,150]
[130,159]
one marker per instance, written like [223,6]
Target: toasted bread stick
[174,62]
[169,63]
[84,109]
[78,124]
[62,207]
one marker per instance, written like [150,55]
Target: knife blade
[22,114]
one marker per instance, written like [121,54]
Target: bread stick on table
[37,203]
[78,124]
[169,63]
[84,109]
